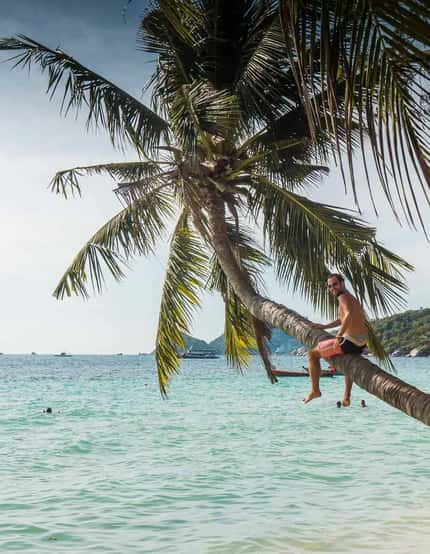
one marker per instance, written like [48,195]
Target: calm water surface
[229,464]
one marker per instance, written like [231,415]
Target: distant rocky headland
[403,334]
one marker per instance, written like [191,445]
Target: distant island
[403,334]
[406,334]
[280,343]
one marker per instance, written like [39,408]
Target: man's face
[334,285]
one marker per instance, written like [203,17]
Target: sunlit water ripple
[229,464]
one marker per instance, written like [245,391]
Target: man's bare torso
[356,327]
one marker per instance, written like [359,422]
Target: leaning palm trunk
[364,373]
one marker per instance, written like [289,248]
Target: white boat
[202,354]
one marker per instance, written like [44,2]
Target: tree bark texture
[364,373]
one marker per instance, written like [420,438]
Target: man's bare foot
[311,396]
[346,402]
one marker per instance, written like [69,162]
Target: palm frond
[381,285]
[133,231]
[293,125]
[236,47]
[184,16]
[242,332]
[171,30]
[264,85]
[126,119]
[67,181]
[238,333]
[199,110]
[377,348]
[287,153]
[381,52]
[308,239]
[280,162]
[262,336]
[293,175]
[185,277]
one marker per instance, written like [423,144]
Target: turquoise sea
[229,464]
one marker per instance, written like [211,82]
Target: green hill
[195,344]
[404,332]
[281,343]
[218,344]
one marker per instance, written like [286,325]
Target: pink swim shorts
[329,348]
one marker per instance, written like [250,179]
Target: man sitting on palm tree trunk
[350,338]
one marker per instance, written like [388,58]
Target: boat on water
[200,354]
[63,355]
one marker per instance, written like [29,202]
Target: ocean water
[229,464]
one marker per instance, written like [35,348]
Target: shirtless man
[350,338]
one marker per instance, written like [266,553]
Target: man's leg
[314,374]
[347,394]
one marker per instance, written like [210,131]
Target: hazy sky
[40,232]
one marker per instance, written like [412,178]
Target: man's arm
[326,325]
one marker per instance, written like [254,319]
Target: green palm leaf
[236,47]
[262,337]
[281,162]
[185,277]
[133,231]
[307,239]
[293,125]
[125,118]
[381,52]
[286,152]
[264,84]
[376,347]
[293,175]
[242,332]
[199,110]
[157,36]
[68,180]
[238,332]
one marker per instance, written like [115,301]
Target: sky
[40,232]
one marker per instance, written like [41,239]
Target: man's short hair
[338,276]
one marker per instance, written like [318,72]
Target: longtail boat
[285,373]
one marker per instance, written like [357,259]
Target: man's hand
[317,325]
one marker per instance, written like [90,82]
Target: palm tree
[226,144]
